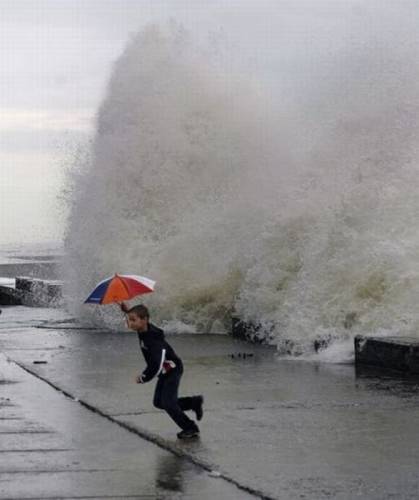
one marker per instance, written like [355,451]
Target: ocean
[37,260]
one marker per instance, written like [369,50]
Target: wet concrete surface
[52,447]
[285,429]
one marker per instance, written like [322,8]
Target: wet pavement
[52,447]
[277,428]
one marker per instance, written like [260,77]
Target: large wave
[298,217]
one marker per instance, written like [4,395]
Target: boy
[163,362]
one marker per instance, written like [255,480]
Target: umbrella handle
[123,307]
[123,311]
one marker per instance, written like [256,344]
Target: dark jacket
[158,354]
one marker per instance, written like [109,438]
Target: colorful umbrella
[120,287]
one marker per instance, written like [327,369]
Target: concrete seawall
[394,353]
[31,291]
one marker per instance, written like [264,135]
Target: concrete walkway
[272,428]
[53,447]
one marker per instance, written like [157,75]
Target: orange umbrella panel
[120,287]
[116,292]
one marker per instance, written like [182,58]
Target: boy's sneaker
[198,410]
[188,433]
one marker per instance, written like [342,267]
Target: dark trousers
[166,398]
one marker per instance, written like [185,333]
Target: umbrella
[120,287]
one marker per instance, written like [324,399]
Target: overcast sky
[56,57]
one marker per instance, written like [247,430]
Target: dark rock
[250,332]
[321,343]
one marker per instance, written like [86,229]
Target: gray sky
[56,56]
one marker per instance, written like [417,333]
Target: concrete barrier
[257,335]
[37,292]
[392,353]
[9,296]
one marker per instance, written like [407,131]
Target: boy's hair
[140,311]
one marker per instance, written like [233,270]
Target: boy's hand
[124,307]
[138,379]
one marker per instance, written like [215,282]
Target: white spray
[302,222]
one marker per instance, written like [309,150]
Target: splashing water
[303,222]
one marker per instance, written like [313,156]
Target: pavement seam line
[37,450]
[152,438]
[54,471]
[138,497]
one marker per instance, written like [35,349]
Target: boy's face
[136,323]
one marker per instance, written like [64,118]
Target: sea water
[291,206]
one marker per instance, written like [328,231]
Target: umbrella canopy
[120,287]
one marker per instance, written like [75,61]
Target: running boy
[163,362]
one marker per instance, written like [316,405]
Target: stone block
[9,296]
[37,292]
[392,353]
